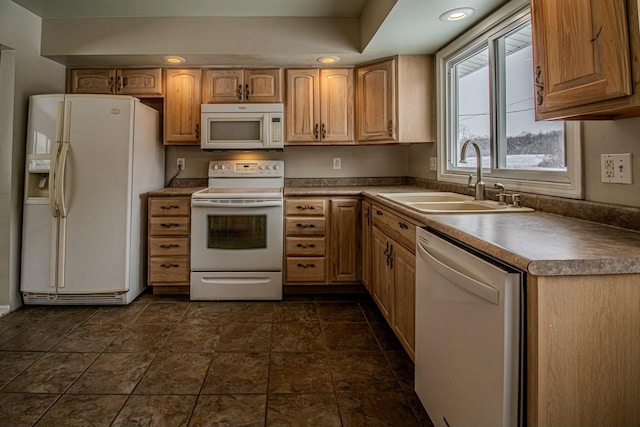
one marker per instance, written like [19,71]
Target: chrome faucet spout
[479,185]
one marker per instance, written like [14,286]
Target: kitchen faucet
[479,186]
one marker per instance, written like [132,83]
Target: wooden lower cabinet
[367,226]
[322,240]
[169,263]
[393,272]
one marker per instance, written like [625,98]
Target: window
[486,94]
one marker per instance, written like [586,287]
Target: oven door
[236,235]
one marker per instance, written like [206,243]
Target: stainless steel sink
[447,203]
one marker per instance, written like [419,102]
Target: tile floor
[163,361]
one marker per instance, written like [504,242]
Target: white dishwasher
[468,321]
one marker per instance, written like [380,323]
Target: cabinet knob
[165,207]
[169,225]
[170,246]
[390,127]
[306,265]
[305,226]
[539,86]
[240,92]
[246,91]
[316,131]
[324,131]
[169,265]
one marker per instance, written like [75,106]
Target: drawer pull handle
[306,265]
[169,265]
[379,213]
[170,207]
[305,226]
[169,225]
[303,246]
[305,207]
[403,225]
[172,245]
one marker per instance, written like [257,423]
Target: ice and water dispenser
[37,179]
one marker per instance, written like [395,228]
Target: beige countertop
[174,191]
[540,243]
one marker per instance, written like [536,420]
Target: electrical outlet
[616,168]
[180,164]
[433,163]
[337,163]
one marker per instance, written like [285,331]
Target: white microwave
[242,127]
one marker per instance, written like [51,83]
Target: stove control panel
[246,168]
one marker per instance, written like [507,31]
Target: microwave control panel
[276,129]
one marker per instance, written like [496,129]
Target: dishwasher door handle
[458,278]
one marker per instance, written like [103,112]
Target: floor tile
[418,410]
[8,330]
[193,338]
[349,336]
[340,312]
[299,373]
[403,369]
[246,410]
[27,313]
[156,411]
[18,410]
[12,363]
[361,371]
[237,373]
[113,373]
[297,336]
[175,373]
[245,337]
[140,339]
[224,312]
[84,410]
[385,336]
[162,314]
[120,315]
[68,314]
[52,373]
[89,338]
[371,312]
[296,312]
[38,336]
[389,409]
[297,410]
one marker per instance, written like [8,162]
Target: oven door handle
[251,204]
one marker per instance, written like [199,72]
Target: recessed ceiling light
[328,59]
[457,14]
[173,59]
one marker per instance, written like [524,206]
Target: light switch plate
[433,165]
[337,162]
[616,168]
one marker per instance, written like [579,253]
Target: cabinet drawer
[395,226]
[168,246]
[169,206]
[305,207]
[169,226]
[305,246]
[305,226]
[306,269]
[169,270]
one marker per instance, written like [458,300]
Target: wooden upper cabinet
[236,85]
[394,100]
[320,105]
[182,107]
[586,58]
[139,82]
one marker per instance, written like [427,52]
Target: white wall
[24,73]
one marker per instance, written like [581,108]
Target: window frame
[564,184]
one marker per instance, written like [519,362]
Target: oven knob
[268,167]
[276,167]
[261,167]
[215,167]
[223,167]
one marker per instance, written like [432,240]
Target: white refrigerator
[90,161]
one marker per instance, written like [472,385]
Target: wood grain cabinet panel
[320,106]
[140,82]
[182,107]
[169,262]
[591,69]
[238,85]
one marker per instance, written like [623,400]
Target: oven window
[237,231]
[235,130]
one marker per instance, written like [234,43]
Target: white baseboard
[4,309]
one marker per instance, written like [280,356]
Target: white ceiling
[393,26]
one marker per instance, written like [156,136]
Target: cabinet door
[100,81]
[375,91]
[381,273]
[223,86]
[303,106]
[404,310]
[182,107]
[366,245]
[581,52]
[336,105]
[139,81]
[345,240]
[262,85]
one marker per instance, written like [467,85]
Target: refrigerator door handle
[53,194]
[60,187]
